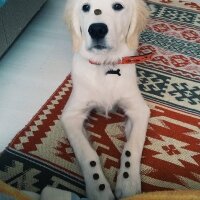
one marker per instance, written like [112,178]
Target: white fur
[93,88]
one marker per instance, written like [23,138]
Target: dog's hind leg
[74,115]
[129,180]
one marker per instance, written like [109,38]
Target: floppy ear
[138,22]
[73,23]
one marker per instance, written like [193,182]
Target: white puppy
[103,32]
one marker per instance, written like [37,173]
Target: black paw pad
[95,176]
[101,187]
[128,153]
[92,163]
[125,175]
[127,164]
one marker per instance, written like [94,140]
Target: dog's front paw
[128,179]
[127,184]
[99,191]
[97,187]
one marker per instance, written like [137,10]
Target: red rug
[41,155]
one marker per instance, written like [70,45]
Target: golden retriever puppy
[104,32]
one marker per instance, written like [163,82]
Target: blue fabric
[6,197]
[2,2]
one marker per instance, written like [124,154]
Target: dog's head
[101,27]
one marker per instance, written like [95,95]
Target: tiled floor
[33,68]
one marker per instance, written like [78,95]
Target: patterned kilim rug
[41,155]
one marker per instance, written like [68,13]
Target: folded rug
[41,155]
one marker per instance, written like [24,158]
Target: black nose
[98,30]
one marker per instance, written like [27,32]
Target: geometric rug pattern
[41,155]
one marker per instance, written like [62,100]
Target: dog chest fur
[104,90]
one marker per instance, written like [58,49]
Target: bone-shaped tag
[112,71]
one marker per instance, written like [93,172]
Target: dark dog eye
[86,8]
[117,6]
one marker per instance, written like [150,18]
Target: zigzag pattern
[39,120]
[171,155]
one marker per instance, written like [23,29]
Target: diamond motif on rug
[169,84]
